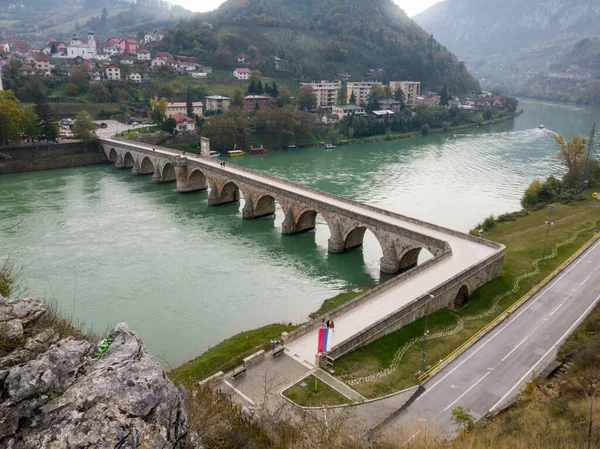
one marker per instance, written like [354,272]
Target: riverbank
[42,156]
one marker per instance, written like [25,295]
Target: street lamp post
[548,224]
[425,333]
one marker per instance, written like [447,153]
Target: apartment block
[411,89]
[327,92]
[361,90]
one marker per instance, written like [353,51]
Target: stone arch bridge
[460,263]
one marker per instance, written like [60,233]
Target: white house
[159,61]
[135,78]
[95,74]
[113,50]
[102,57]
[112,73]
[180,107]
[184,123]
[86,49]
[143,55]
[242,73]
[153,36]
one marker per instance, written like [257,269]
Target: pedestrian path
[340,386]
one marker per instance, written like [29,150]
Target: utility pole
[585,170]
[425,333]
[548,224]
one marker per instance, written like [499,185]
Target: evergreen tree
[267,89]
[189,105]
[352,98]
[399,96]
[251,88]
[259,88]
[343,94]
[444,96]
[48,129]
[53,49]
[274,90]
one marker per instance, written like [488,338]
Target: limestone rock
[63,397]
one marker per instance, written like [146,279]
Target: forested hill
[509,42]
[319,39]
[44,19]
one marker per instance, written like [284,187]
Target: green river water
[111,247]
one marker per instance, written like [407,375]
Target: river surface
[111,247]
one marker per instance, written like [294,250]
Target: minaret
[92,43]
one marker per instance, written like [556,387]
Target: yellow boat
[236,153]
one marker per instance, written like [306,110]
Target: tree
[462,419]
[169,125]
[31,124]
[479,118]
[572,155]
[48,129]
[256,76]
[444,96]
[399,96]
[84,127]
[81,80]
[237,99]
[274,90]
[71,90]
[375,96]
[343,94]
[10,116]
[352,98]
[159,108]
[53,49]
[284,96]
[259,88]
[306,100]
[189,105]
[251,88]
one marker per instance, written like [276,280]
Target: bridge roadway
[466,253]
[491,372]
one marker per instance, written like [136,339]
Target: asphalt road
[492,372]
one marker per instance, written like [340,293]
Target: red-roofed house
[242,73]
[61,47]
[27,70]
[129,45]
[81,63]
[42,63]
[184,123]
[254,102]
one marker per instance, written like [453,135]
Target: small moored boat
[215,154]
[292,148]
[541,127]
[260,150]
[329,146]
[236,153]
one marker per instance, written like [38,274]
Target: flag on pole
[323,340]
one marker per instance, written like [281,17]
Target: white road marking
[573,326]
[470,388]
[239,392]
[508,324]
[522,341]
[585,280]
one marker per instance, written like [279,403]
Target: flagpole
[316,371]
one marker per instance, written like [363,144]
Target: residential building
[184,123]
[186,63]
[80,62]
[390,104]
[411,89]
[113,50]
[217,103]
[102,57]
[95,74]
[112,41]
[42,63]
[135,78]
[242,73]
[361,90]
[26,70]
[153,36]
[345,110]
[164,55]
[158,62]
[112,72]
[129,45]
[143,55]
[383,114]
[180,107]
[277,62]
[4,47]
[254,102]
[86,49]
[241,58]
[327,92]
[127,59]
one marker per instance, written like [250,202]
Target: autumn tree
[159,108]
[10,117]
[572,155]
[237,99]
[284,96]
[84,127]
[306,100]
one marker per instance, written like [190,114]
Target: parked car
[103,125]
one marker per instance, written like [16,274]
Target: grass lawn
[228,354]
[524,239]
[303,393]
[342,298]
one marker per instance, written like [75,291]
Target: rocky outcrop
[55,394]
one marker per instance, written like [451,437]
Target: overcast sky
[411,7]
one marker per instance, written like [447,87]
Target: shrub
[71,90]
[425,130]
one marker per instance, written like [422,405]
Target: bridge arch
[112,155]
[461,299]
[128,160]
[167,173]
[197,178]
[147,166]
[410,258]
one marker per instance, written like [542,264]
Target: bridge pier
[230,193]
[306,222]
[187,178]
[264,207]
